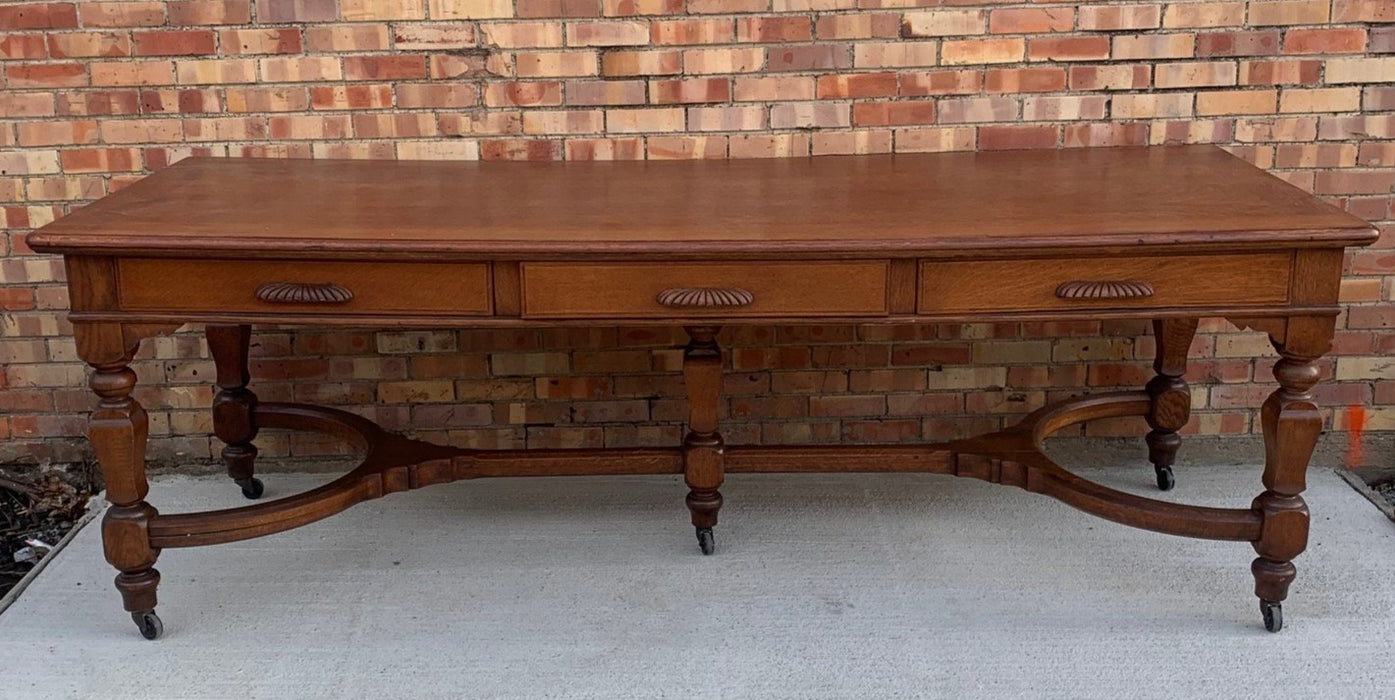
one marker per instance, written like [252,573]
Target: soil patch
[34,516]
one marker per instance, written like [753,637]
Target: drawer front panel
[1118,282]
[730,290]
[304,287]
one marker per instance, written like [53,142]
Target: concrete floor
[842,586]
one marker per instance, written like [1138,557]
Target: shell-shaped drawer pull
[1105,289]
[705,297]
[304,293]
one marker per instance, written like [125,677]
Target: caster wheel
[252,488]
[705,540]
[149,623]
[1273,615]
[1165,478]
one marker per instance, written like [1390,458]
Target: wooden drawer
[304,287]
[1114,282]
[730,290]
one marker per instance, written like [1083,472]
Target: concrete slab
[840,586]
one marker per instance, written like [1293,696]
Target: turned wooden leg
[234,406]
[1171,398]
[118,430]
[702,447]
[1291,427]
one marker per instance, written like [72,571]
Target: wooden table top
[1183,196]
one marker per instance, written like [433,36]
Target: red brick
[692,31]
[773,29]
[88,44]
[1363,11]
[1381,40]
[1257,43]
[690,90]
[1110,77]
[36,15]
[607,33]
[859,26]
[993,138]
[170,101]
[401,67]
[99,102]
[726,7]
[860,85]
[198,12]
[1308,41]
[284,11]
[541,93]
[807,58]
[1078,48]
[174,43]
[100,160]
[20,46]
[893,113]
[558,8]
[354,97]
[451,95]
[1117,17]
[1031,20]
[942,82]
[1024,80]
[122,14]
[40,75]
[235,42]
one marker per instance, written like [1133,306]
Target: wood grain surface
[904,204]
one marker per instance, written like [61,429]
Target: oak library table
[1169,234]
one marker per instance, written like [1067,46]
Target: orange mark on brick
[1356,424]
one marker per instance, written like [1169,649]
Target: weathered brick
[620,63]
[607,33]
[1182,75]
[773,29]
[201,12]
[983,51]
[278,11]
[1271,12]
[1360,70]
[1024,80]
[1076,48]
[174,43]
[1120,17]
[709,61]
[87,44]
[1031,20]
[893,113]
[375,10]
[38,15]
[469,9]
[235,42]
[1254,43]
[690,90]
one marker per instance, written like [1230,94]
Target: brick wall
[95,94]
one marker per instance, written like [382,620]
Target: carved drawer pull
[1108,289]
[711,297]
[303,293]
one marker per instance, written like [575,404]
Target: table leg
[702,447]
[118,429]
[233,407]
[1171,397]
[1291,425]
